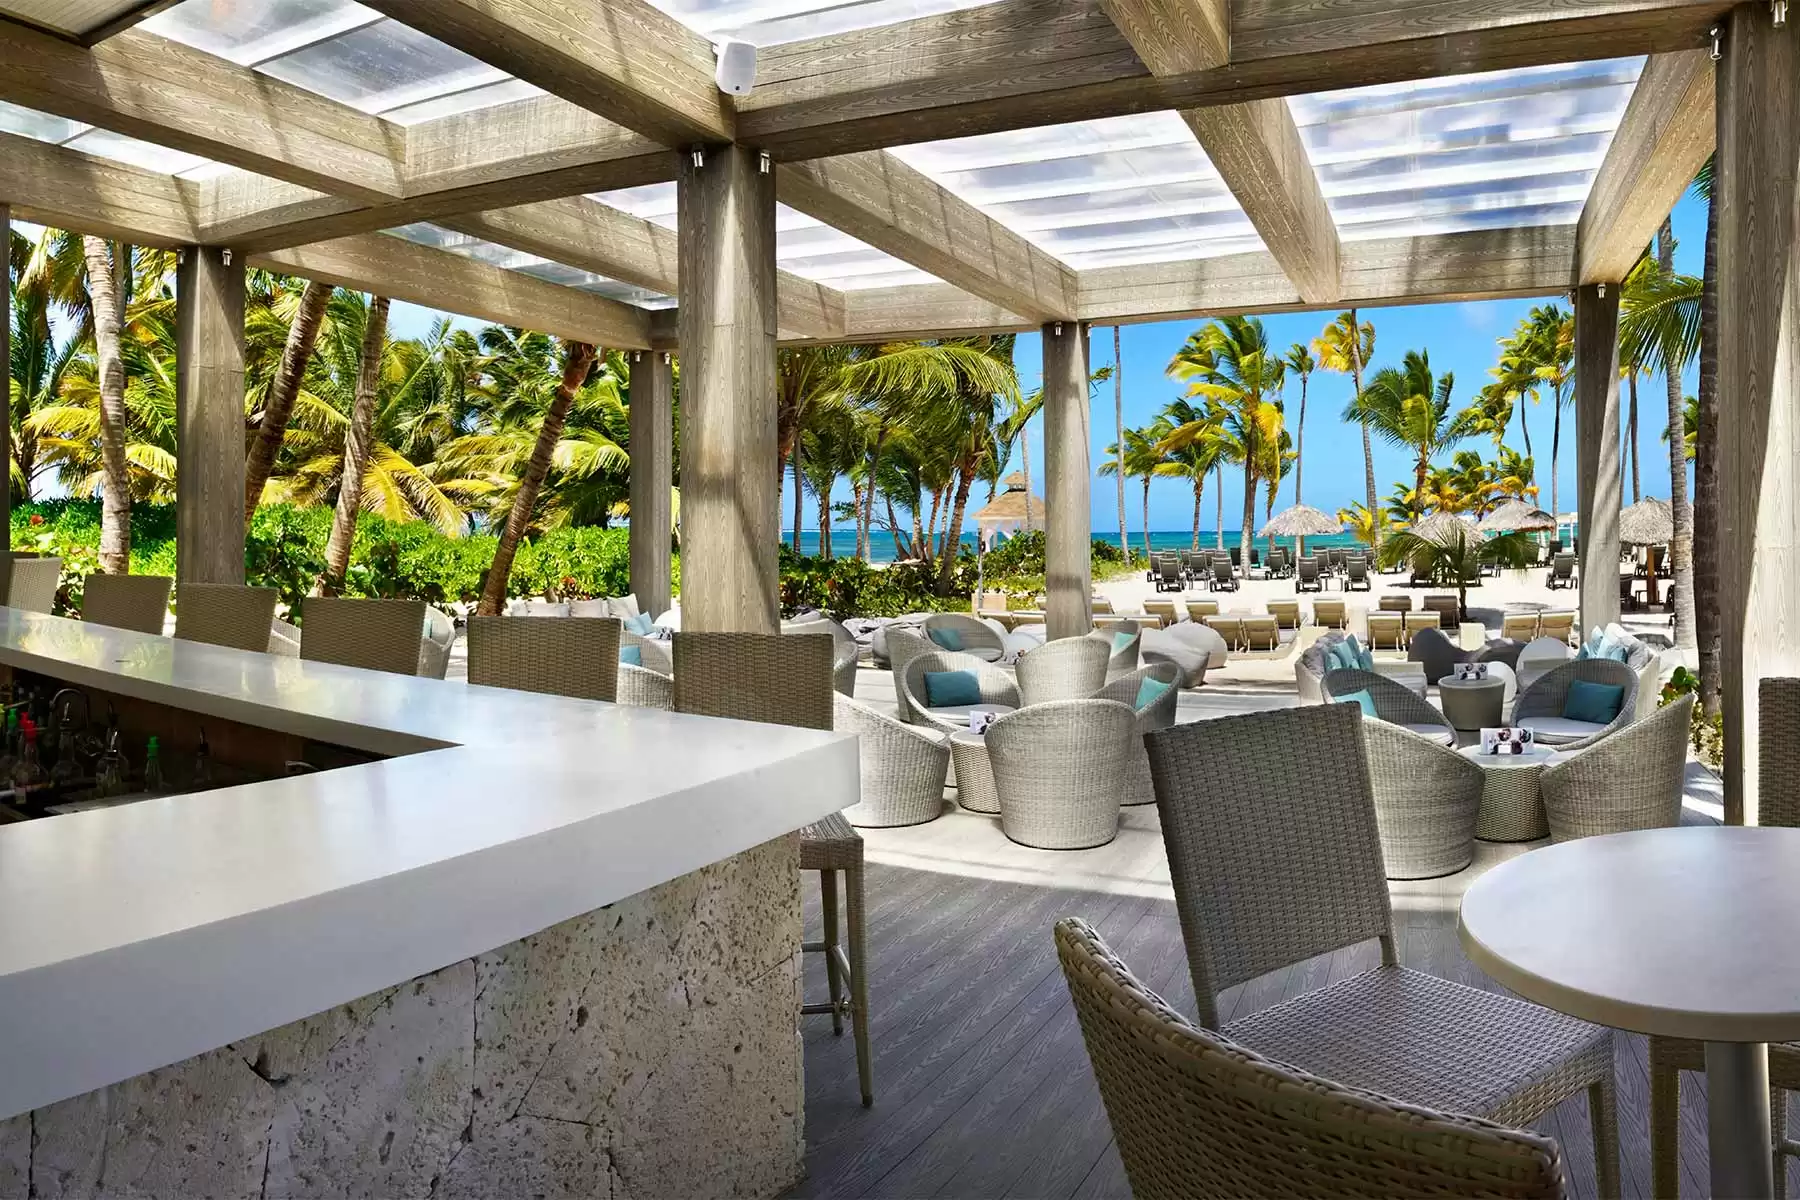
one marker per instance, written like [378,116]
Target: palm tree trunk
[575,371]
[1681,546]
[1632,436]
[1119,433]
[928,551]
[919,549]
[1199,491]
[1219,507]
[115,512]
[795,459]
[946,581]
[825,520]
[1244,538]
[1707,498]
[1555,449]
[1524,429]
[1356,370]
[1025,458]
[356,451]
[283,390]
[865,542]
[1146,518]
[1300,441]
[900,550]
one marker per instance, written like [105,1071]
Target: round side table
[975,788]
[1511,808]
[1472,705]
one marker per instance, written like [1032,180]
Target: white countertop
[1690,932]
[135,937]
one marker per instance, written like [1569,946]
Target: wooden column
[6,357]
[1597,450]
[1068,534]
[652,435]
[1758,189]
[730,477]
[209,416]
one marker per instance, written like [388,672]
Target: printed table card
[1506,740]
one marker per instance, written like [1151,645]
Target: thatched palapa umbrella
[1649,522]
[1445,527]
[1517,516]
[1300,522]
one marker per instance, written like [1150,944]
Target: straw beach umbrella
[1445,527]
[1649,522]
[1517,516]
[1300,522]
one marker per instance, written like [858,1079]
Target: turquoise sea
[843,541]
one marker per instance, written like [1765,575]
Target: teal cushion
[949,639]
[1351,644]
[1366,661]
[642,624]
[1149,691]
[1615,648]
[944,689]
[1596,703]
[1582,654]
[631,654]
[1122,640]
[1360,698]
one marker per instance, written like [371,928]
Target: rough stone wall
[644,1050]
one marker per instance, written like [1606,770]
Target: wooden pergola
[584,98]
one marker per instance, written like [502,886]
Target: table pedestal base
[1737,1119]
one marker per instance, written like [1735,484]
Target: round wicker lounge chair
[976,637]
[1427,799]
[1395,703]
[1122,659]
[1066,669]
[997,688]
[1539,707]
[903,767]
[1057,768]
[901,647]
[654,652]
[1157,714]
[845,651]
[1630,780]
[644,687]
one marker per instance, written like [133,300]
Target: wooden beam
[623,59]
[52,185]
[393,267]
[1664,138]
[652,421]
[879,199]
[1597,451]
[1020,63]
[1174,36]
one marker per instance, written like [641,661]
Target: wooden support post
[652,435]
[1597,450]
[1068,535]
[730,473]
[6,357]
[1757,185]
[209,416]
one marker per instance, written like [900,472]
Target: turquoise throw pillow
[1596,703]
[1149,691]
[1582,653]
[1122,640]
[1354,647]
[642,625]
[1614,648]
[1366,661]
[1362,698]
[631,654]
[949,639]
[946,689]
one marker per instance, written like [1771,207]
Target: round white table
[1689,933]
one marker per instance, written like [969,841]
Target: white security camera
[736,69]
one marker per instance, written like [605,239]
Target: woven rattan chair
[904,645]
[1395,703]
[1066,669]
[139,602]
[1778,758]
[903,768]
[845,651]
[1195,1115]
[1427,799]
[1274,862]
[787,681]
[1631,780]
[225,614]
[997,688]
[1059,770]
[376,635]
[1329,614]
[653,653]
[32,583]
[1123,659]
[576,656]
[644,688]
[978,638]
[435,644]
[1539,707]
[1158,714]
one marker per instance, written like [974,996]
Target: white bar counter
[139,936]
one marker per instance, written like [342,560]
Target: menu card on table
[1474,670]
[1506,740]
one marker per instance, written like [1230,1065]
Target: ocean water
[843,542]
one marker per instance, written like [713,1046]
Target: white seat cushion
[1555,731]
[1436,733]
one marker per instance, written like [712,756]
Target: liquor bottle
[153,773]
[9,745]
[203,765]
[28,773]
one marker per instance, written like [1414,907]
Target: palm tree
[284,388]
[1491,412]
[1202,450]
[1300,362]
[1367,525]
[1552,350]
[1517,375]
[1409,406]
[358,442]
[39,365]
[1514,475]
[1347,348]
[1142,458]
[1451,555]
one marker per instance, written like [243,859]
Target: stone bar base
[645,1050]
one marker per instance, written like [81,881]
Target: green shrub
[1706,734]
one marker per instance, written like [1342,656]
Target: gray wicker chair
[1120,660]
[1631,780]
[225,614]
[979,639]
[32,583]
[903,768]
[1158,714]
[902,647]
[1778,758]
[1274,861]
[1427,799]
[1395,703]
[1539,707]
[376,635]
[575,656]
[787,681]
[1195,1115]
[845,651]
[139,602]
[997,687]
[1066,669]
[653,653]
[1058,768]
[644,688]
[435,644]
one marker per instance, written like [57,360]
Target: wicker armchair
[436,643]
[1539,707]
[1158,714]
[653,653]
[997,687]
[1057,769]
[903,768]
[139,602]
[376,635]
[979,640]
[1120,660]
[1395,703]
[1195,1114]
[576,656]
[643,687]
[903,646]
[1066,669]
[845,653]
[1263,881]
[1427,799]
[32,583]
[225,614]
[1632,780]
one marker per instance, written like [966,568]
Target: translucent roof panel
[806,247]
[1500,149]
[58,131]
[770,22]
[509,259]
[343,51]
[1132,189]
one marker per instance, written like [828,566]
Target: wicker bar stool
[375,635]
[788,681]
[573,656]
[32,582]
[225,614]
[139,602]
